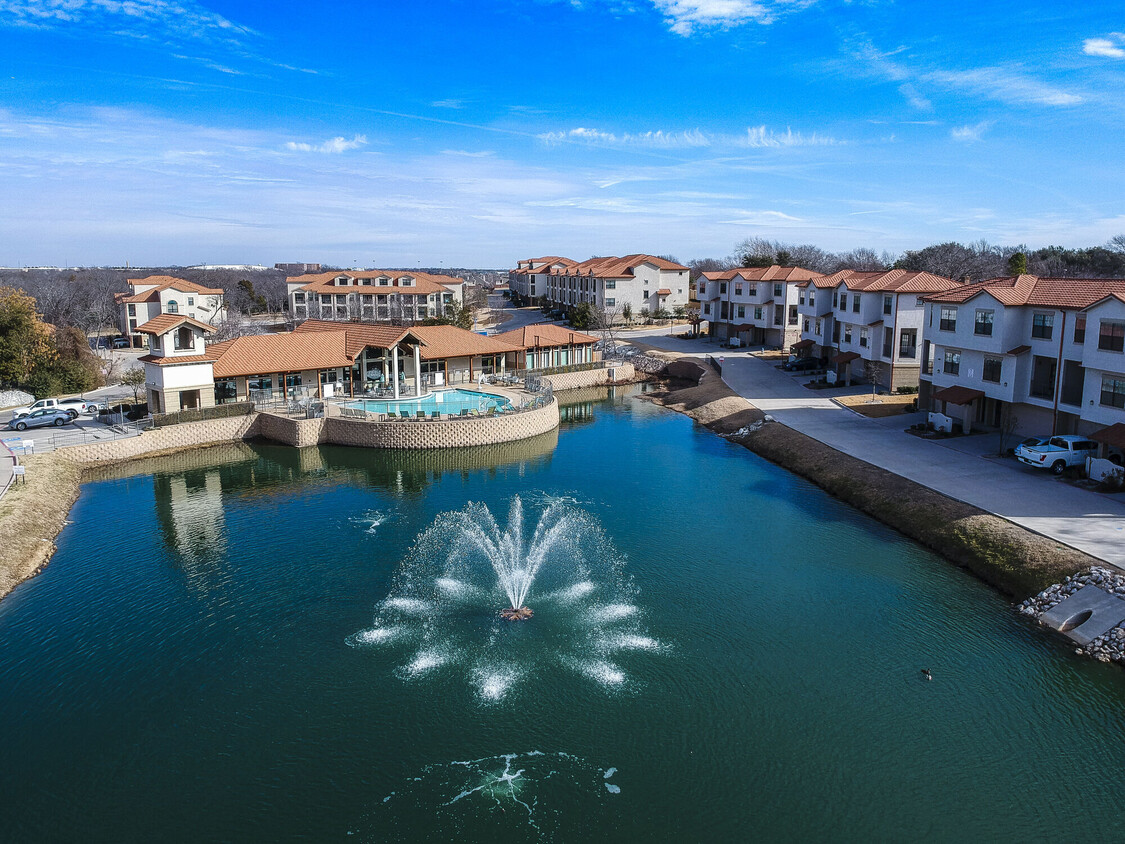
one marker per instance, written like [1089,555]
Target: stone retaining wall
[453,433]
[172,438]
[623,372]
[295,432]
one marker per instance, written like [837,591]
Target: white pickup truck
[75,406]
[1057,453]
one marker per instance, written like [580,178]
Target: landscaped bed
[881,407]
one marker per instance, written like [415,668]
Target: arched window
[173,306]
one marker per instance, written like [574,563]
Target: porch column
[417,370]
[394,368]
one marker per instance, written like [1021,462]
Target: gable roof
[887,281]
[613,267]
[265,353]
[437,341]
[166,322]
[424,283]
[771,273]
[160,283]
[544,334]
[1060,293]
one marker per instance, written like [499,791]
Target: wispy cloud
[761,218]
[756,137]
[970,134]
[332,145]
[182,18]
[685,17]
[1110,47]
[760,136]
[1010,85]
[455,104]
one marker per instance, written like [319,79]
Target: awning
[1018,350]
[846,357]
[803,344]
[1114,435]
[958,394]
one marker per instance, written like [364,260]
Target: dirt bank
[1014,560]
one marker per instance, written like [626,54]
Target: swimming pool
[445,401]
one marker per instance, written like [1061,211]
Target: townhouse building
[373,296]
[1033,355]
[528,281]
[867,324]
[162,294]
[635,283]
[752,305]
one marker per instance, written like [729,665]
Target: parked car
[120,343]
[803,365]
[39,418]
[72,406]
[1057,453]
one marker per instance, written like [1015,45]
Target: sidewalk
[963,468]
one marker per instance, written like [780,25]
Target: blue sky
[473,134]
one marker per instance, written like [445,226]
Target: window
[918,301]
[818,327]
[1111,336]
[777,290]
[1080,328]
[805,325]
[847,333]
[992,368]
[888,341]
[299,298]
[405,282]
[611,284]
[741,311]
[952,362]
[645,294]
[752,290]
[843,301]
[948,319]
[738,290]
[908,343]
[226,391]
[863,337]
[792,314]
[888,305]
[1113,391]
[367,298]
[812,298]
[722,287]
[1041,325]
[1043,370]
[384,282]
[757,313]
[855,303]
[190,302]
[609,303]
[801,298]
[983,324]
[835,298]
[132,310]
[326,298]
[184,338]
[707,308]
[173,306]
[702,287]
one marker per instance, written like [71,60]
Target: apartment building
[528,281]
[373,296]
[162,294]
[752,305]
[634,283]
[868,324]
[1038,355]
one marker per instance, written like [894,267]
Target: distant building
[161,294]
[640,282]
[528,281]
[373,296]
[297,269]
[755,305]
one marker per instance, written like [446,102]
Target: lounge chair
[435,415]
[421,414]
[463,413]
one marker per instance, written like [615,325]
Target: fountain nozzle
[514,614]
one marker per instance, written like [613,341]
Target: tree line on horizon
[975,261]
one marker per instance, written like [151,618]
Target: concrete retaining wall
[623,372]
[294,432]
[172,438]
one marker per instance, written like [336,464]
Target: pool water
[445,401]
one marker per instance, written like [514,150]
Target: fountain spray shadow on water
[452,602]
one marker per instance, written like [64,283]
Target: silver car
[41,417]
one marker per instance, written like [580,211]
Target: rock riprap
[1109,647]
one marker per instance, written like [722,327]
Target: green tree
[582,317]
[26,344]
[627,312]
[134,379]
[1017,264]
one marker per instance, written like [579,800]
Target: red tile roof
[293,352]
[172,361]
[807,343]
[1061,293]
[424,283]
[845,357]
[612,267]
[166,322]
[773,273]
[437,341]
[545,334]
[663,291]
[163,282]
[886,281]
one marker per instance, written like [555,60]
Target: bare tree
[871,371]
[134,379]
[607,322]
[1009,421]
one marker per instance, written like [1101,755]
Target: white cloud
[651,140]
[684,17]
[332,145]
[760,136]
[179,17]
[456,104]
[1110,47]
[970,134]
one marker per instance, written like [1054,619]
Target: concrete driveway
[964,468]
